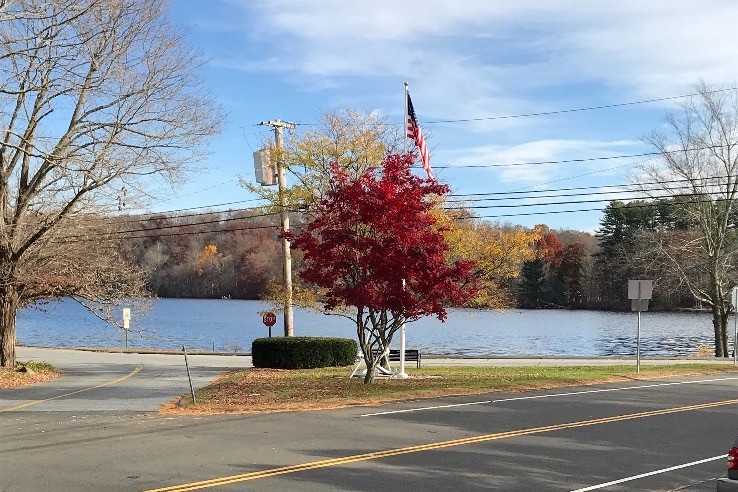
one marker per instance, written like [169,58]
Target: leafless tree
[97,98]
[699,167]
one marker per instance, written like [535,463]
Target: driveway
[100,381]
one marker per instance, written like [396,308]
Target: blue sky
[294,59]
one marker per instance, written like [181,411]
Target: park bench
[411,355]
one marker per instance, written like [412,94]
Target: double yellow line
[37,402]
[429,447]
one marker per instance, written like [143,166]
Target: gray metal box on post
[266,174]
[639,292]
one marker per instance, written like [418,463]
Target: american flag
[414,132]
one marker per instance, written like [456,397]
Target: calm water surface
[231,325]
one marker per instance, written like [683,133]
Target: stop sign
[269,319]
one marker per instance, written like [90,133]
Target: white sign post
[126,322]
[734,300]
[639,292]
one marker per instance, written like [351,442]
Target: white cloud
[489,49]
[539,151]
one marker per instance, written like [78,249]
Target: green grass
[274,390]
[38,366]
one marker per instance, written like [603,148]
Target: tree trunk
[8,309]
[370,371]
[720,325]
[724,331]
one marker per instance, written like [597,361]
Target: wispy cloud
[539,151]
[488,48]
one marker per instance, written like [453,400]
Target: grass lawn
[35,372]
[273,390]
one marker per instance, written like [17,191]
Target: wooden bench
[411,355]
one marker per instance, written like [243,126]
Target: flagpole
[402,373]
[404,124]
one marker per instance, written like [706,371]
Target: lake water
[231,325]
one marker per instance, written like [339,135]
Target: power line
[556,212]
[204,206]
[571,202]
[73,239]
[124,219]
[528,194]
[575,110]
[175,226]
[554,112]
[586,159]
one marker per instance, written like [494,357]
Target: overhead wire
[176,226]
[585,159]
[81,238]
[556,212]
[574,110]
[552,112]
[527,195]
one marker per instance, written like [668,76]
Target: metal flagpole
[404,125]
[402,330]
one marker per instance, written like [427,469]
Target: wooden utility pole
[278,126]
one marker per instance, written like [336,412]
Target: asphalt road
[96,429]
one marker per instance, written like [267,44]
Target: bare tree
[699,166]
[97,98]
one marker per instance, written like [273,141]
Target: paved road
[117,381]
[108,437]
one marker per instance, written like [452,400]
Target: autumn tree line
[236,255]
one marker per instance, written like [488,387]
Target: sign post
[639,292]
[126,322]
[269,319]
[734,300]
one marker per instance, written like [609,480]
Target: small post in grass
[187,365]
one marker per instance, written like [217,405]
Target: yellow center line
[430,446]
[37,402]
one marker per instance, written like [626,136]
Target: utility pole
[278,126]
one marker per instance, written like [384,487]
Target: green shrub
[303,352]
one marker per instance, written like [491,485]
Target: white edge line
[535,397]
[657,472]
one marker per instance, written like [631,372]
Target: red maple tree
[549,246]
[374,246]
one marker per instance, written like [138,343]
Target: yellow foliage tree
[349,138]
[498,250]
[207,252]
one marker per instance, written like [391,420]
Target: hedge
[303,352]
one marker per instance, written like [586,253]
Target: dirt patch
[15,378]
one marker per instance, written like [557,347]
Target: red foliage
[371,233]
[550,248]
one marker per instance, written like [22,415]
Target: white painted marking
[657,472]
[536,397]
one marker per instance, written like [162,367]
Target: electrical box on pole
[280,178]
[266,174]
